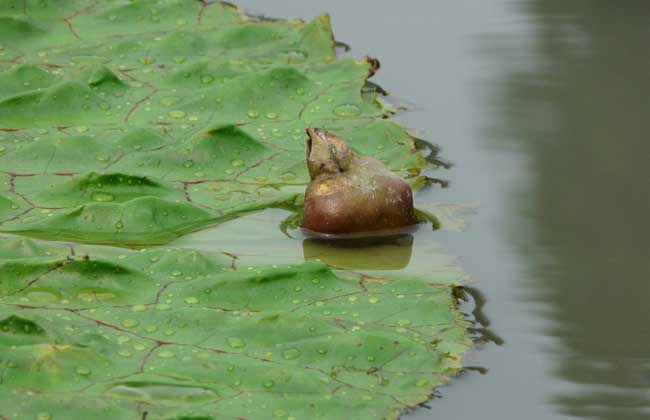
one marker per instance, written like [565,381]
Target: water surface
[543,107]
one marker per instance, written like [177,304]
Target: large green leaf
[91,330]
[135,122]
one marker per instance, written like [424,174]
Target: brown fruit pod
[350,193]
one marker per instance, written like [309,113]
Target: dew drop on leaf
[236,342]
[177,114]
[124,353]
[130,323]
[347,110]
[83,371]
[291,354]
[166,354]
[169,101]
[252,113]
[102,197]
[42,296]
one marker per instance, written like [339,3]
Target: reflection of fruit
[391,252]
[350,193]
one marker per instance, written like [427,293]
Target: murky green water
[543,106]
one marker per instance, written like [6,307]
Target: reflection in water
[374,253]
[584,114]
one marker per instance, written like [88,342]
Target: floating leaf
[133,123]
[175,334]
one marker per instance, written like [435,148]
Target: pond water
[543,107]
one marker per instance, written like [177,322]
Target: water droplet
[403,322]
[177,114]
[291,354]
[130,323]
[82,129]
[103,158]
[119,225]
[2,149]
[102,197]
[207,79]
[169,101]
[315,281]
[42,296]
[83,371]
[236,342]
[147,60]
[237,162]
[176,273]
[371,358]
[166,354]
[272,115]
[347,110]
[300,91]
[322,352]
[139,308]
[280,414]
[252,113]
[44,416]
[191,300]
[188,163]
[268,384]
[421,383]
[27,83]
[124,353]
[373,300]
[353,298]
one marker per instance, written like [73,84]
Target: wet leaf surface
[90,330]
[133,123]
